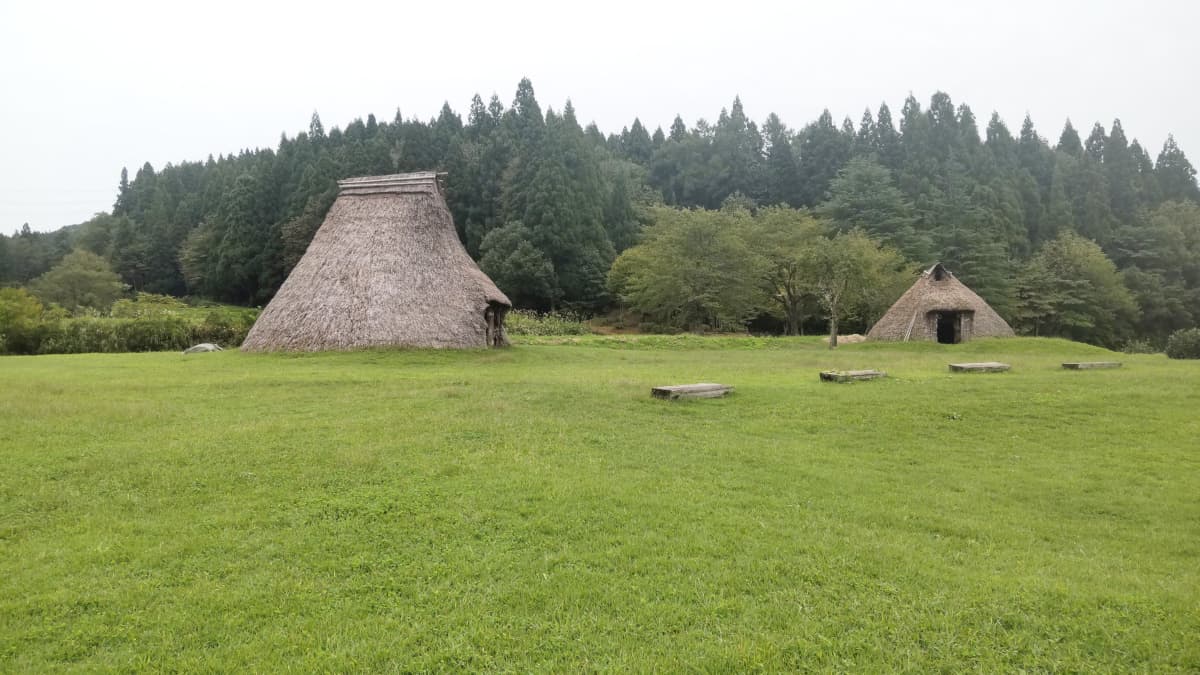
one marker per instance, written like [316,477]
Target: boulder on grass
[203,347]
[846,339]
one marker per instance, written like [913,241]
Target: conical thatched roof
[914,315]
[386,268]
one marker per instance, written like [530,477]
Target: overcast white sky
[89,87]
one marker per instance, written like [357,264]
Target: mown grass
[534,509]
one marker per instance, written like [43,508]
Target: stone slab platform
[1091,365]
[851,375]
[699,390]
[981,367]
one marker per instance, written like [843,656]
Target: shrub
[76,336]
[20,312]
[652,328]
[1139,346]
[18,305]
[528,322]
[224,328]
[152,323]
[56,312]
[146,305]
[23,339]
[124,309]
[1184,344]
[157,334]
[90,334]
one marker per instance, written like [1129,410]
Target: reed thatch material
[386,268]
[914,315]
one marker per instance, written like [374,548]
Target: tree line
[547,205]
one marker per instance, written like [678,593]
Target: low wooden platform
[983,367]
[700,390]
[1091,365]
[851,375]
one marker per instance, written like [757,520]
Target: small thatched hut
[939,308]
[386,268]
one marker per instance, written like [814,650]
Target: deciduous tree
[852,274]
[1071,289]
[693,271]
[784,238]
[82,280]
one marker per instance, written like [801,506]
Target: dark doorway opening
[493,319]
[949,328]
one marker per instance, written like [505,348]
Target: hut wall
[386,268]
[914,316]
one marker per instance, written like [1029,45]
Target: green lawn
[534,509]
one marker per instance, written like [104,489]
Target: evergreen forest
[1081,232]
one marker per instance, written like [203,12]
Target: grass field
[534,509]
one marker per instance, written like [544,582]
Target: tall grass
[523,322]
[148,324]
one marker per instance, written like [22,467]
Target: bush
[652,328]
[1139,346]
[151,323]
[224,328]
[22,339]
[20,312]
[1184,344]
[125,309]
[528,322]
[75,336]
[18,305]
[146,305]
[83,335]
[90,334]
[155,335]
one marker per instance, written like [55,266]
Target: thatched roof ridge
[385,268]
[421,181]
[937,290]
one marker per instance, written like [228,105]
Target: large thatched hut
[939,308]
[386,268]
